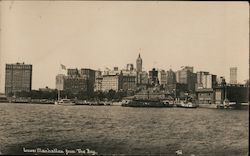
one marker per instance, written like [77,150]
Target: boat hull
[139,103]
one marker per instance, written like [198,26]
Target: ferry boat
[65,102]
[146,103]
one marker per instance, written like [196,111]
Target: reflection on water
[123,130]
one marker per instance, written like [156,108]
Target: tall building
[18,77]
[113,82]
[171,77]
[162,77]
[90,76]
[75,85]
[186,76]
[153,77]
[233,75]
[139,64]
[73,72]
[71,83]
[142,78]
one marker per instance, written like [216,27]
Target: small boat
[65,102]
[187,105]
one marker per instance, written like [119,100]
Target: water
[123,130]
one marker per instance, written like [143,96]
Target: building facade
[233,75]
[186,76]
[18,77]
[89,74]
[205,96]
[139,64]
[113,82]
[75,85]
[153,77]
[171,77]
[162,77]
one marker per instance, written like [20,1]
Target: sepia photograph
[120,78]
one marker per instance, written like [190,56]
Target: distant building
[205,80]
[234,93]
[186,76]
[75,85]
[205,95]
[153,77]
[177,89]
[129,79]
[162,77]
[171,77]
[98,83]
[130,67]
[143,78]
[90,76]
[18,77]
[113,82]
[139,64]
[129,82]
[73,72]
[233,75]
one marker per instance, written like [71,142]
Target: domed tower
[139,64]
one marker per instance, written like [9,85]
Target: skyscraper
[139,64]
[233,75]
[18,77]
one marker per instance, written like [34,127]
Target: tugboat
[188,103]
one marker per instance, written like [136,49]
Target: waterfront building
[177,89]
[73,72]
[139,64]
[234,93]
[162,77]
[186,76]
[98,83]
[75,85]
[113,82]
[233,75]
[89,74]
[18,77]
[171,77]
[153,77]
[205,95]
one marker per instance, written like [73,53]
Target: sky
[211,36]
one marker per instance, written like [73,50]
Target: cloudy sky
[211,36]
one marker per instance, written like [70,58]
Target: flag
[63,66]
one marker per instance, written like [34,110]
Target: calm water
[123,130]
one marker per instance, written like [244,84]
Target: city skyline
[30,34]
